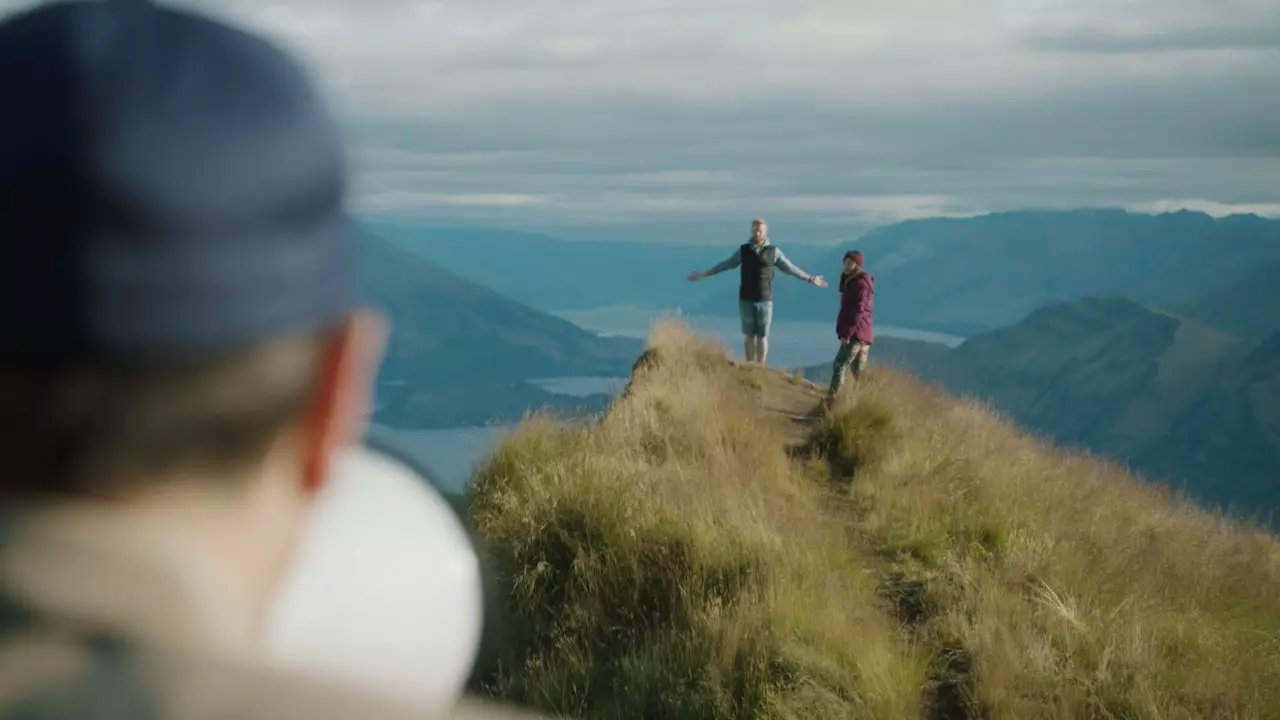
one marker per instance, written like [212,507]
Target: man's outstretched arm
[790,268]
[729,263]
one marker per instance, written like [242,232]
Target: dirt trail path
[789,398]
[796,403]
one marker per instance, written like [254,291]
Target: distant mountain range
[1174,398]
[552,275]
[460,353]
[971,275]
[961,276]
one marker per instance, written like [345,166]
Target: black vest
[757,273]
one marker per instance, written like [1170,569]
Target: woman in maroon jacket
[853,326]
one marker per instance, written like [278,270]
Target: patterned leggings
[850,354]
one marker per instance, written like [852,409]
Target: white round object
[385,592]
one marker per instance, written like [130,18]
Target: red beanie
[855,256]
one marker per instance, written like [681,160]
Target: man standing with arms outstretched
[757,259]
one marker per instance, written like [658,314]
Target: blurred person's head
[232,446]
[852,261]
[179,331]
[180,343]
[759,230]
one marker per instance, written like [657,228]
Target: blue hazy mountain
[461,353]
[1248,305]
[962,276]
[969,275]
[552,274]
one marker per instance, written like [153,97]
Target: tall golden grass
[904,555]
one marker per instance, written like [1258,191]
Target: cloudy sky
[547,112]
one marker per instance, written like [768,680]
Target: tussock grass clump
[853,437]
[672,563]
[1065,587]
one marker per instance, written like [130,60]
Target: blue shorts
[756,317]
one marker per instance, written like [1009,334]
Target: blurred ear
[350,357]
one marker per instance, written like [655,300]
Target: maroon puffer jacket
[857,300]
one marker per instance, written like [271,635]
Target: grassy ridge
[1175,400]
[1066,588]
[699,555]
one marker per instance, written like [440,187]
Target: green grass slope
[1106,373]
[1176,400]
[1230,435]
[1247,306]
[713,549]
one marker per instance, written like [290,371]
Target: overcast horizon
[546,113]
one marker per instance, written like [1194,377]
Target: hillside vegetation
[1248,306]
[1176,400]
[712,549]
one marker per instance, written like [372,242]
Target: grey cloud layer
[1144,25]
[551,111]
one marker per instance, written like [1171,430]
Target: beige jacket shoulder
[52,676]
[95,625]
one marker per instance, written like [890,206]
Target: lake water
[582,386]
[453,453]
[450,454]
